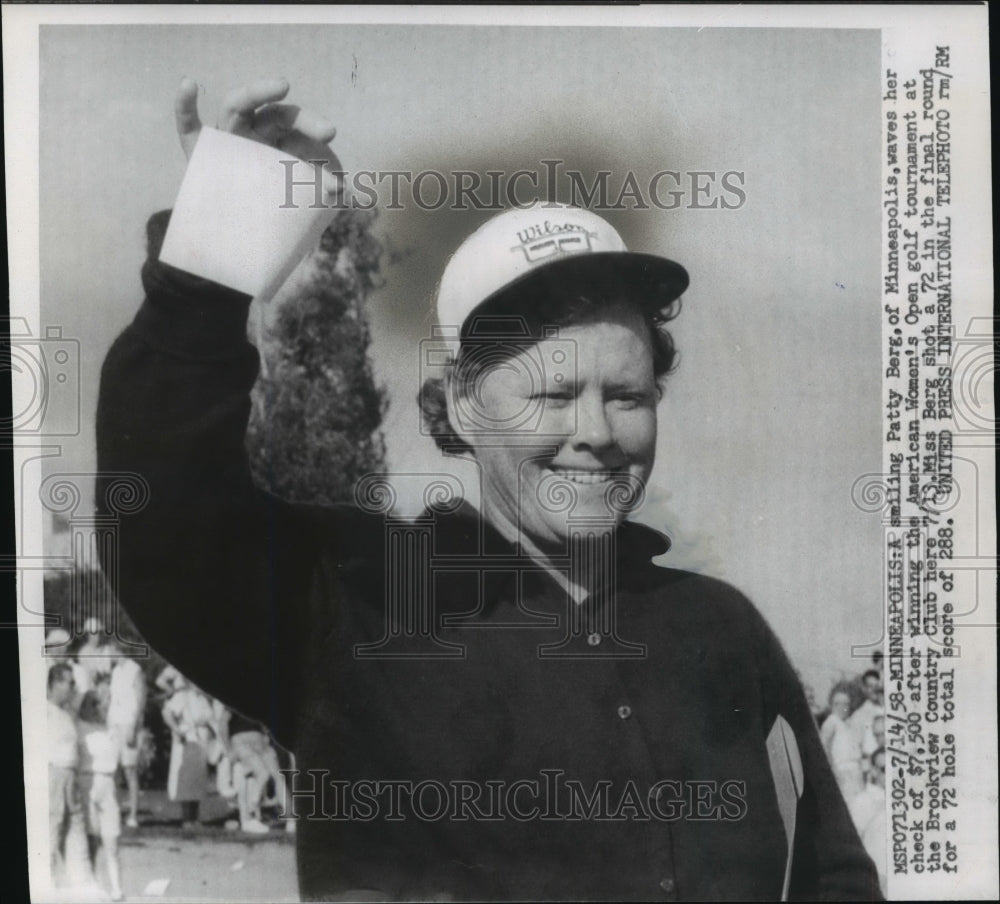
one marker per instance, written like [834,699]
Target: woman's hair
[517,320]
[847,689]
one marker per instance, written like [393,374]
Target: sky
[774,411]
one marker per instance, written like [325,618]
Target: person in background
[840,743]
[91,654]
[98,767]
[168,681]
[867,810]
[188,714]
[126,705]
[57,643]
[862,718]
[67,833]
[874,740]
[254,764]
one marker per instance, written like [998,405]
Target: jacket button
[594,639]
[624,711]
[668,885]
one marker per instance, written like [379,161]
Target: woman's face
[561,425]
[840,705]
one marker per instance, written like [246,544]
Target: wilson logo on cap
[516,244]
[544,241]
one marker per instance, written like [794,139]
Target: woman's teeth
[577,476]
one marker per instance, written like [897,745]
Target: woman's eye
[551,394]
[555,395]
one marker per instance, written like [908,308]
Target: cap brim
[651,281]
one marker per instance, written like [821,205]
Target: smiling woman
[556,379]
[532,638]
[595,425]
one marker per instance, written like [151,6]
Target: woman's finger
[241,104]
[186,114]
[314,126]
[298,145]
[275,121]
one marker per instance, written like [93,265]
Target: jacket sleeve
[214,572]
[829,861]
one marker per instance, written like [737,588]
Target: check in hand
[238,219]
[255,112]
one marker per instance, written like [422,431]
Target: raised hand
[254,112]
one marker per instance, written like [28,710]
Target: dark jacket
[508,759]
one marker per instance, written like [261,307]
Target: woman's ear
[454,400]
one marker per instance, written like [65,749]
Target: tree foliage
[315,426]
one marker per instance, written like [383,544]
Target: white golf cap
[557,242]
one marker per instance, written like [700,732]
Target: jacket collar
[465,533]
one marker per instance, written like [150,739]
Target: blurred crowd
[852,729]
[102,749]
